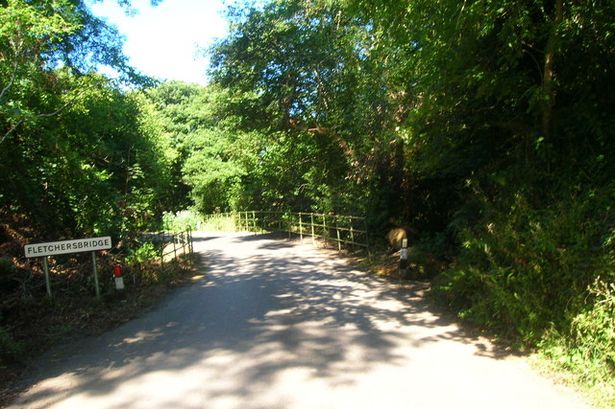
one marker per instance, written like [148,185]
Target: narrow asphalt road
[278,324]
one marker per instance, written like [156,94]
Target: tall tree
[308,71]
[73,145]
[483,124]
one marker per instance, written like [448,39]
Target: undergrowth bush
[523,270]
[223,223]
[593,331]
[142,254]
[541,277]
[6,267]
[142,263]
[181,221]
[588,350]
[10,349]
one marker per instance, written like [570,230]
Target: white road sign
[67,246]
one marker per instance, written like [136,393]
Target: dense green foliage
[80,155]
[485,126]
[300,73]
[77,154]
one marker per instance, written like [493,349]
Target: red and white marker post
[119,280]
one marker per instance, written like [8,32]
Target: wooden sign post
[53,248]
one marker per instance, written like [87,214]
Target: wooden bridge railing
[343,231]
[171,243]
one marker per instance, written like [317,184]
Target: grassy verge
[552,363]
[220,223]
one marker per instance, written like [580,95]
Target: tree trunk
[549,73]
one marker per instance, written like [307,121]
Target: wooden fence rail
[341,230]
[175,243]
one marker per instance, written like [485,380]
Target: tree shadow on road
[273,308]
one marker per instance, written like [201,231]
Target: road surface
[279,324]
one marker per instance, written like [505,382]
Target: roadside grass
[598,390]
[220,223]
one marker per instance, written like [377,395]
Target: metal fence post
[189,236]
[174,247]
[366,236]
[325,232]
[312,227]
[337,232]
[162,245]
